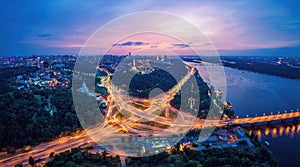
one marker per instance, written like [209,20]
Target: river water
[254,93]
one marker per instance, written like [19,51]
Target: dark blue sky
[235,27]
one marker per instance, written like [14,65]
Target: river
[255,93]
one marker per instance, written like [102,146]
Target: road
[43,150]
[140,117]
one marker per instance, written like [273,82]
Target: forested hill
[6,75]
[28,118]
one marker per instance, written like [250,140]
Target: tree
[118,158]
[104,155]
[31,161]
[51,154]
[70,164]
[77,157]
[191,163]
[173,151]
[172,159]
[10,150]
[245,162]
[194,144]
[178,147]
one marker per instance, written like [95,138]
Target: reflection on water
[255,94]
[289,129]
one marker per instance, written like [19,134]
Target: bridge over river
[267,118]
[283,117]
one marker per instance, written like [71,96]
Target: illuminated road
[128,115]
[43,150]
[138,111]
[62,144]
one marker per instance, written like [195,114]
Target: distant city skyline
[235,28]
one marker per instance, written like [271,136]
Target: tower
[191,99]
[133,62]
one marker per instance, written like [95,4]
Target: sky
[233,27]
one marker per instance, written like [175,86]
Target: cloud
[229,25]
[44,35]
[205,44]
[131,43]
[181,45]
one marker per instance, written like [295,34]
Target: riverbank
[255,94]
[284,71]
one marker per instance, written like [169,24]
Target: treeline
[7,74]
[141,86]
[207,157]
[187,157]
[265,68]
[26,120]
[77,157]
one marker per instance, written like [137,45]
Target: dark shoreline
[269,69]
[283,71]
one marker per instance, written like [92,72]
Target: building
[227,104]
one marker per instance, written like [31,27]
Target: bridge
[283,117]
[266,118]
[161,101]
[136,111]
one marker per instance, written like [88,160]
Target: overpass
[156,102]
[59,145]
